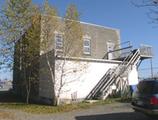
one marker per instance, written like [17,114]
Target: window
[86,45]
[110,47]
[58,41]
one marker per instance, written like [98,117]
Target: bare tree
[71,45]
[32,31]
[49,24]
[152,6]
[30,55]
[73,33]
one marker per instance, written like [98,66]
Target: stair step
[113,76]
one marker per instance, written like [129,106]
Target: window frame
[59,42]
[87,38]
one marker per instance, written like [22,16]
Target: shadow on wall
[115,116]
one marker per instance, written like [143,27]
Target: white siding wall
[83,80]
[79,77]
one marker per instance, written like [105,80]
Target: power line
[147,68]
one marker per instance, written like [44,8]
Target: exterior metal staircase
[113,76]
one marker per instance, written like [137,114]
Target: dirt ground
[115,111]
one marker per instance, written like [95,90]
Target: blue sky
[133,22]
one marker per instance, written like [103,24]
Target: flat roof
[92,24]
[96,25]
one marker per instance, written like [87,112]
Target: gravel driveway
[116,111]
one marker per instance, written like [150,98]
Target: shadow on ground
[115,116]
[8,97]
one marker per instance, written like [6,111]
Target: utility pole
[151,65]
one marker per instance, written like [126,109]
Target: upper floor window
[87,45]
[59,41]
[110,48]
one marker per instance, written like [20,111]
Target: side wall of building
[46,81]
[75,78]
[26,64]
[17,72]
[100,37]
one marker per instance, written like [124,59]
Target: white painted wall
[85,77]
[80,77]
[133,76]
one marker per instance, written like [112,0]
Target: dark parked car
[145,98]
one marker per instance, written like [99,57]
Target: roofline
[91,24]
[88,59]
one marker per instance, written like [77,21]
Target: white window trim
[58,33]
[111,44]
[88,38]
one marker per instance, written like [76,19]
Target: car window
[155,89]
[146,87]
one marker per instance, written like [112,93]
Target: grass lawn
[9,101]
[43,109]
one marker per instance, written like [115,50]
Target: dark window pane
[148,87]
[86,43]
[87,49]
